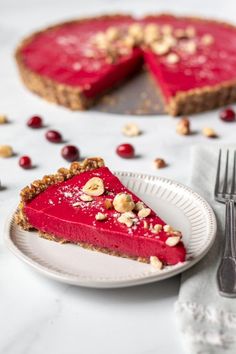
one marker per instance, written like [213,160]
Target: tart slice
[88,205]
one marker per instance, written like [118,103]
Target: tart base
[93,248]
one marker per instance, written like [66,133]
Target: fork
[226,273]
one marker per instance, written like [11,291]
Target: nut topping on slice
[6,151]
[168,228]
[160,48]
[94,187]
[86,198]
[173,241]
[172,58]
[207,39]
[139,205]
[209,132]
[108,204]
[100,216]
[123,202]
[156,263]
[127,219]
[143,213]
[131,129]
[157,227]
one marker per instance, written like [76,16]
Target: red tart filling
[94,208]
[94,55]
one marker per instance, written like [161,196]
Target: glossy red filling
[53,212]
[60,54]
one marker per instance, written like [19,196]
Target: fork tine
[233,175]
[226,174]
[217,182]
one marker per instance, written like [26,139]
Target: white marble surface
[39,315]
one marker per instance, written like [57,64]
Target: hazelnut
[159,163]
[127,219]
[209,132]
[168,228]
[3,119]
[207,39]
[190,31]
[108,204]
[160,48]
[123,202]
[94,187]
[100,216]
[143,213]
[172,241]
[190,47]
[6,151]
[86,198]
[139,205]
[172,58]
[156,263]
[183,126]
[112,33]
[131,129]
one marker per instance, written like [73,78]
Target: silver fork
[226,274]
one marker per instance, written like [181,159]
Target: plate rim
[98,283]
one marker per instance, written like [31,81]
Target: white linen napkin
[207,320]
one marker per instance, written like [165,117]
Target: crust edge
[38,186]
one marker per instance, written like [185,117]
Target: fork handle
[226,274]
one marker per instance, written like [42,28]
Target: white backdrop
[39,315]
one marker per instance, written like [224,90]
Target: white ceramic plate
[178,205]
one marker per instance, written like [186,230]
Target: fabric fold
[207,320]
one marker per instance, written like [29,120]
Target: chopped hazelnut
[159,163]
[183,126]
[123,202]
[86,198]
[131,129]
[207,39]
[108,204]
[168,228]
[112,33]
[172,58]
[157,227]
[145,224]
[209,132]
[126,219]
[173,241]
[190,47]
[143,213]
[139,205]
[190,31]
[160,48]
[156,263]
[6,151]
[94,187]
[100,216]
[166,29]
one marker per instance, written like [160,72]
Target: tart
[88,205]
[192,60]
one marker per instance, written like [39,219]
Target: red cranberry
[70,153]
[125,150]
[227,115]
[35,122]
[53,136]
[25,162]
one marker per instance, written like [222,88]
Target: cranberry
[35,122]
[70,153]
[53,136]
[227,115]
[125,150]
[25,162]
